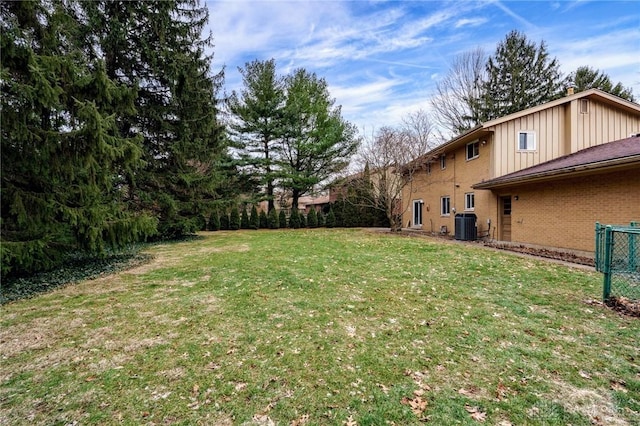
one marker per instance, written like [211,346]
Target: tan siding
[603,124]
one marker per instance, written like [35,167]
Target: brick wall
[563,213]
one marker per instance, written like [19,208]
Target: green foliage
[312,218]
[158,49]
[258,111]
[254,219]
[214,221]
[585,78]
[234,219]
[321,219]
[63,155]
[520,75]
[282,219]
[274,220]
[244,218]
[264,220]
[201,222]
[294,219]
[330,221]
[225,222]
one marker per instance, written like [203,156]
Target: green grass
[322,327]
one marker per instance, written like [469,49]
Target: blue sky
[382,59]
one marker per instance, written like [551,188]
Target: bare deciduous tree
[389,161]
[456,99]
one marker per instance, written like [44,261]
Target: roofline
[590,93]
[569,171]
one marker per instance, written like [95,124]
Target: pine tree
[258,111]
[282,219]
[312,218]
[225,222]
[294,219]
[264,220]
[244,219]
[157,48]
[273,222]
[585,78]
[317,142]
[330,221]
[234,219]
[63,154]
[254,219]
[214,221]
[520,75]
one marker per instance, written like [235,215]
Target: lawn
[322,327]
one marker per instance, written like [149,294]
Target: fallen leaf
[584,374]
[350,421]
[618,386]
[475,413]
[300,421]
[417,404]
[501,391]
[263,420]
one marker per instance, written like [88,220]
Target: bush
[254,219]
[294,219]
[273,222]
[225,223]
[214,221]
[201,222]
[234,219]
[331,219]
[321,219]
[312,218]
[244,219]
[282,219]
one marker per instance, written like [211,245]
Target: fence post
[632,249]
[598,244]
[608,249]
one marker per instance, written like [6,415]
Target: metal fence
[618,258]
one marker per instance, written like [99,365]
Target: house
[542,176]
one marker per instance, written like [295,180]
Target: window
[429,168]
[443,162]
[469,201]
[417,212]
[473,150]
[526,141]
[584,106]
[445,206]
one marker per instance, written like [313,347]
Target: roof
[482,130]
[617,154]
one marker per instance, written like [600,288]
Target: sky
[382,59]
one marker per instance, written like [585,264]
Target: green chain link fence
[618,258]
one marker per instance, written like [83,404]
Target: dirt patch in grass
[624,305]
[597,406]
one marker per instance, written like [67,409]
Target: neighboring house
[542,176]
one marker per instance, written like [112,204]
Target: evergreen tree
[585,78]
[257,110]
[273,223]
[244,219]
[234,219]
[63,154]
[214,221]
[264,220]
[520,75]
[282,219]
[330,221]
[158,48]
[317,142]
[254,219]
[225,222]
[321,219]
[312,218]
[294,219]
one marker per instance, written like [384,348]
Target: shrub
[254,220]
[312,219]
[331,219]
[273,222]
[225,223]
[201,222]
[282,219]
[263,220]
[214,221]
[244,219]
[234,219]
[294,219]
[321,219]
